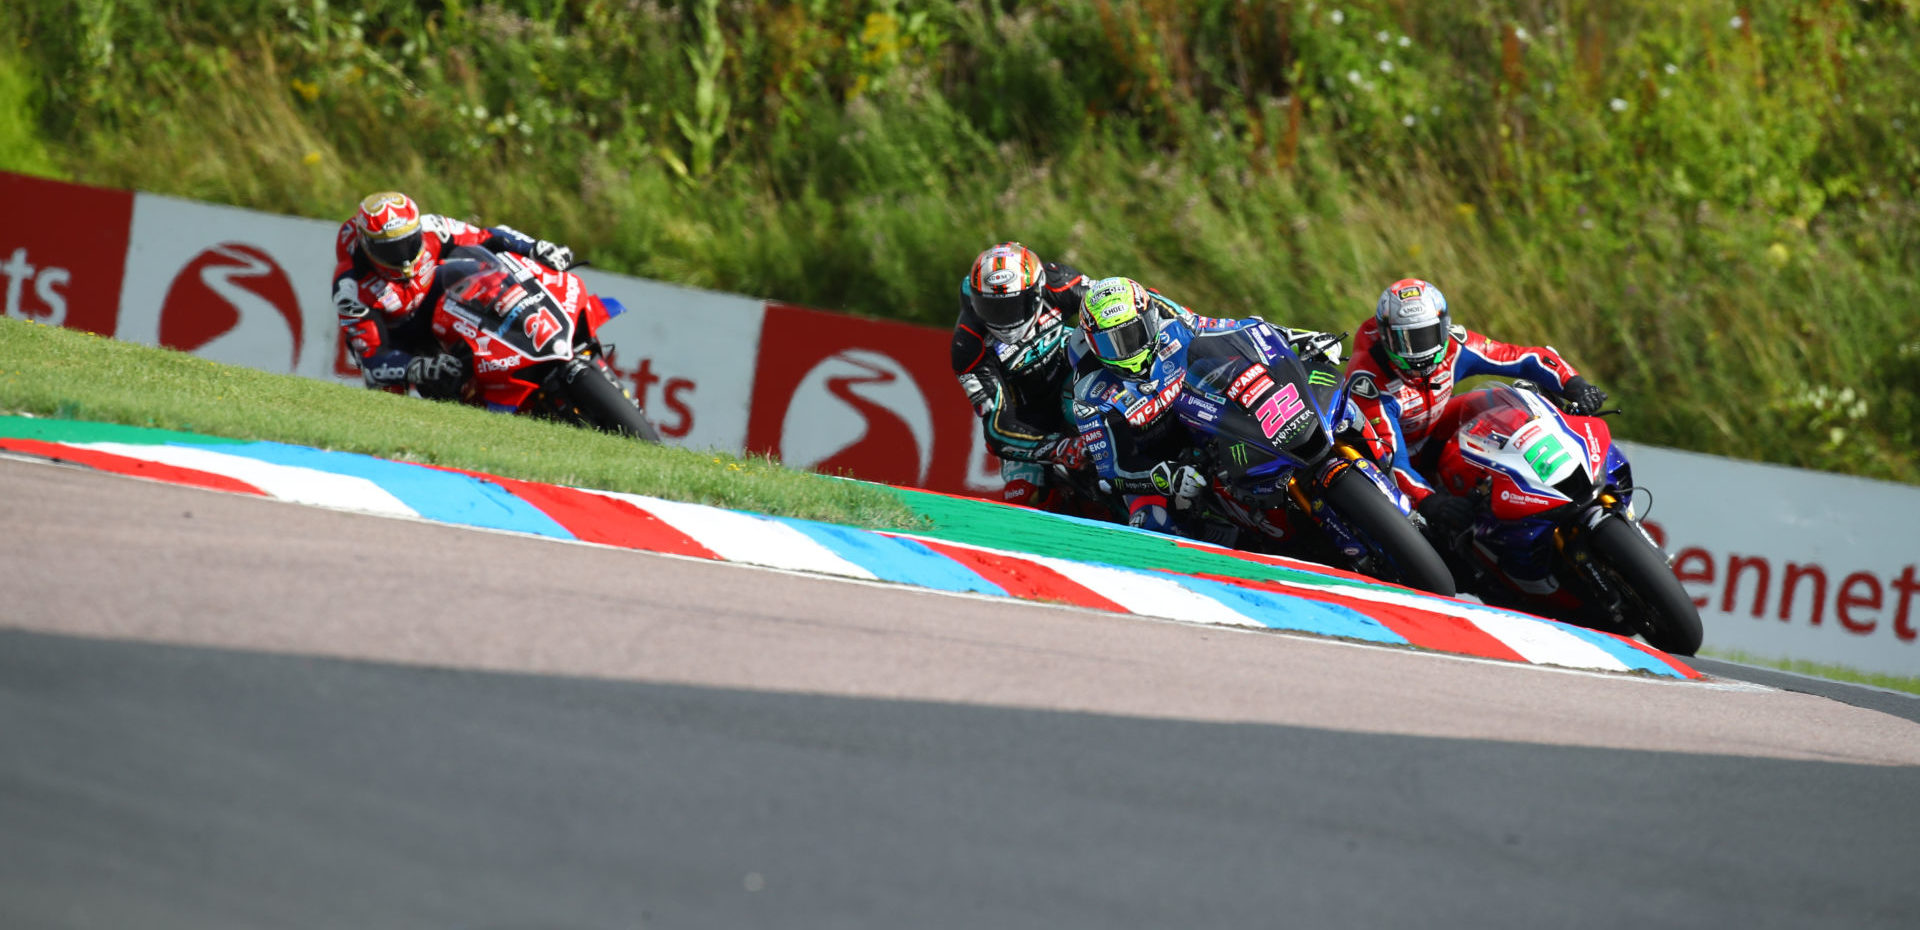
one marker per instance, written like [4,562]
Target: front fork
[1344,457]
[1570,543]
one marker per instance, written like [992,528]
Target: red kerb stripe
[125,465]
[1023,578]
[597,518]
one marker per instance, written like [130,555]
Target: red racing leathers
[384,320]
[1407,410]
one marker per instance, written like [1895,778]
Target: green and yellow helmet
[1121,325]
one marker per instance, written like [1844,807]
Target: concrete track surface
[220,712]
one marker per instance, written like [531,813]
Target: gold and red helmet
[390,232]
[1005,285]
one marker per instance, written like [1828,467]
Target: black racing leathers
[1018,388]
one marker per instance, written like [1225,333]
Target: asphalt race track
[220,711]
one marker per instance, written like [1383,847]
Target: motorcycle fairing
[506,311]
[1535,458]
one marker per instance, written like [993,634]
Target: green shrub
[1711,210]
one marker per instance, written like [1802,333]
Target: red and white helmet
[1413,324]
[1005,285]
[390,233]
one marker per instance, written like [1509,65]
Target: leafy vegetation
[47,371]
[1712,210]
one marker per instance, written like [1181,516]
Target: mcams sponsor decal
[1146,410]
[1248,387]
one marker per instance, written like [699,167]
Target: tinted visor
[1417,347]
[395,254]
[1006,312]
[1123,344]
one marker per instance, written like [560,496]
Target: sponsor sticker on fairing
[1247,379]
[1521,497]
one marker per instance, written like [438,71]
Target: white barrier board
[1787,563]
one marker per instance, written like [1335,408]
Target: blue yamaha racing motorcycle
[1275,436]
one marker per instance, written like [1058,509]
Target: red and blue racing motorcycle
[1555,532]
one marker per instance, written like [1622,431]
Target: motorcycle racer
[384,257]
[1010,355]
[1406,361]
[1135,343]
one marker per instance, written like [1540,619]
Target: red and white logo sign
[859,411]
[870,398]
[63,252]
[233,303]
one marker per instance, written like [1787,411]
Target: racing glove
[437,376]
[553,255]
[1068,454]
[1181,484]
[1581,398]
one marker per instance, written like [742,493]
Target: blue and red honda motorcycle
[1555,531]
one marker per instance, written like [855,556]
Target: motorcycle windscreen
[1529,440]
[1270,421]
[509,304]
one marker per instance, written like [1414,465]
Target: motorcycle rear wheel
[1392,536]
[603,404]
[1666,616]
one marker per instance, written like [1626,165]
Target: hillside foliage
[1709,206]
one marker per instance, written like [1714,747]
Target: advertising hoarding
[62,251]
[1786,563]
[875,399]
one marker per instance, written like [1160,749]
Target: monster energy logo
[1321,377]
[1238,452]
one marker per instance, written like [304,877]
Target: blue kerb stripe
[443,496]
[1631,657]
[900,560]
[1285,612]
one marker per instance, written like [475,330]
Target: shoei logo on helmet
[233,303]
[1003,280]
[859,408]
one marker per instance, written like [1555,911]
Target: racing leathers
[1130,430]
[1406,410]
[386,320]
[1019,389]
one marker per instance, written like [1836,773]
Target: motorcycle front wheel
[603,404]
[1407,554]
[1663,612]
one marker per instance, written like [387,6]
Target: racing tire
[1369,513]
[1668,621]
[603,404]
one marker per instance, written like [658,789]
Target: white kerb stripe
[1148,595]
[1543,643]
[283,482]
[742,537]
[1538,641]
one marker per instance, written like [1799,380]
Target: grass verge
[55,372]
[1908,684]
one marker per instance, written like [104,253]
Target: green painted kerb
[49,430]
[983,523]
